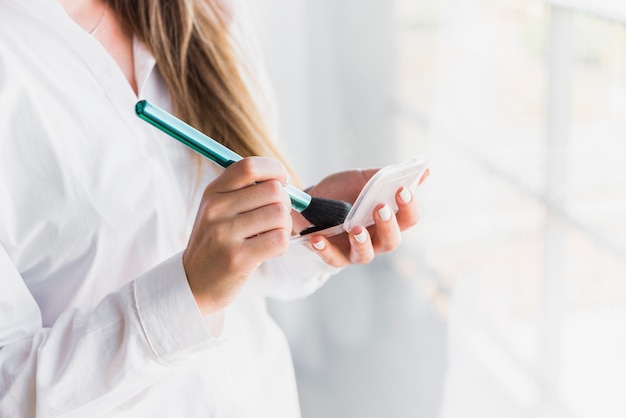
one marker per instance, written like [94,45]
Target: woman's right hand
[244,218]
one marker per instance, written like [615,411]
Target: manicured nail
[319,245]
[385,213]
[361,236]
[405,195]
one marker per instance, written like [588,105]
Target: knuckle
[206,193]
[210,210]
[391,245]
[282,240]
[283,210]
[209,200]
[414,214]
[411,222]
[221,233]
[277,166]
[275,189]
[247,167]
[279,241]
[362,258]
[232,259]
[246,164]
[280,214]
[256,167]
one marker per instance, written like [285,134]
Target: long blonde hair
[196,52]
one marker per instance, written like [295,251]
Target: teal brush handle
[204,144]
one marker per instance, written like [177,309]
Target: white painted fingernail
[385,213]
[405,195]
[319,245]
[361,236]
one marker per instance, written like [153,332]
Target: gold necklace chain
[93,31]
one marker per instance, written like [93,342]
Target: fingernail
[385,213]
[319,245]
[405,195]
[361,236]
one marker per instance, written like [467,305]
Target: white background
[509,298]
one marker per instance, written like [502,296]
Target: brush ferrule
[299,199]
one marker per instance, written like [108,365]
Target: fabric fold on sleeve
[169,316]
[131,340]
[296,274]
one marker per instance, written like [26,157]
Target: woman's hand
[244,218]
[361,244]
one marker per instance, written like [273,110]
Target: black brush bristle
[326,213]
[310,230]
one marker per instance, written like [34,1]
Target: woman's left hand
[360,245]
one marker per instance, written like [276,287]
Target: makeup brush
[322,213]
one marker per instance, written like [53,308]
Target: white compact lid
[381,188]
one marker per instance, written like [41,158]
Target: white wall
[509,298]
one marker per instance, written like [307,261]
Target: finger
[331,254]
[387,236]
[408,211]
[254,236]
[257,195]
[424,176]
[361,249]
[276,216]
[272,243]
[339,251]
[218,206]
[249,171]
[223,223]
[240,227]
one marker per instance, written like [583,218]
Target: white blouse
[96,315]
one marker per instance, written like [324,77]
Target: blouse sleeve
[91,360]
[296,274]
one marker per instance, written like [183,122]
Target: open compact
[381,188]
